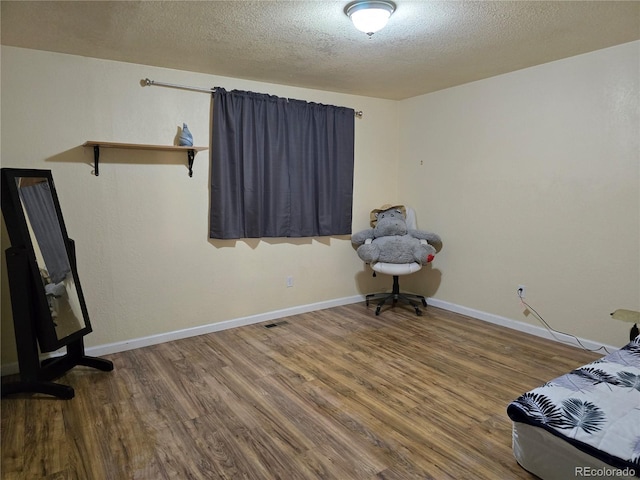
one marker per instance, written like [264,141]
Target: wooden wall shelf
[190,151]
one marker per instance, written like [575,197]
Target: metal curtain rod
[152,83]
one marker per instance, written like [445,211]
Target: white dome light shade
[370,16]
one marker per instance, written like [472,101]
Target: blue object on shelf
[186,139]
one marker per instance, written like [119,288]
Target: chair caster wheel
[418,312]
[378,310]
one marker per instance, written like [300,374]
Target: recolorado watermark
[608,472]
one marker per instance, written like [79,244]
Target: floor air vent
[275,324]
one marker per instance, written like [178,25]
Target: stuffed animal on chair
[391,241]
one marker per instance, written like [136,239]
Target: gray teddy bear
[392,241]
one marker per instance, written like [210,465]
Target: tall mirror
[34,221]
[48,305]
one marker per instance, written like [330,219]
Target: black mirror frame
[18,231]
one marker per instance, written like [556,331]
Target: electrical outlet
[522,291]
[289,281]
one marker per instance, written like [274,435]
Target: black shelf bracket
[191,155]
[96,159]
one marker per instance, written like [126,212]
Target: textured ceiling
[426,46]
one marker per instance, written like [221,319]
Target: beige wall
[141,228]
[533,178]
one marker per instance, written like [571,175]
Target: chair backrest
[411,218]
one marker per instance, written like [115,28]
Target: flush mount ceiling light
[370,16]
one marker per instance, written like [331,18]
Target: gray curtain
[280,167]
[41,212]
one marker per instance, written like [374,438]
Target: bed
[585,423]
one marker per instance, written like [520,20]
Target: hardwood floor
[333,394]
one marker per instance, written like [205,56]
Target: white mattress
[551,458]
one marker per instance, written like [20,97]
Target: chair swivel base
[395,296]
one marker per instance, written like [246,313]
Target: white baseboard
[217,327]
[116,347]
[521,326]
[106,349]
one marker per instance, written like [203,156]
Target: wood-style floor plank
[334,394]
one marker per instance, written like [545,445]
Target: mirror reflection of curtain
[280,167]
[41,212]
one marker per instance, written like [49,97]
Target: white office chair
[397,269]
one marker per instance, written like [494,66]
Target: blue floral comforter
[595,407]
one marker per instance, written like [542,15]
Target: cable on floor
[553,331]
